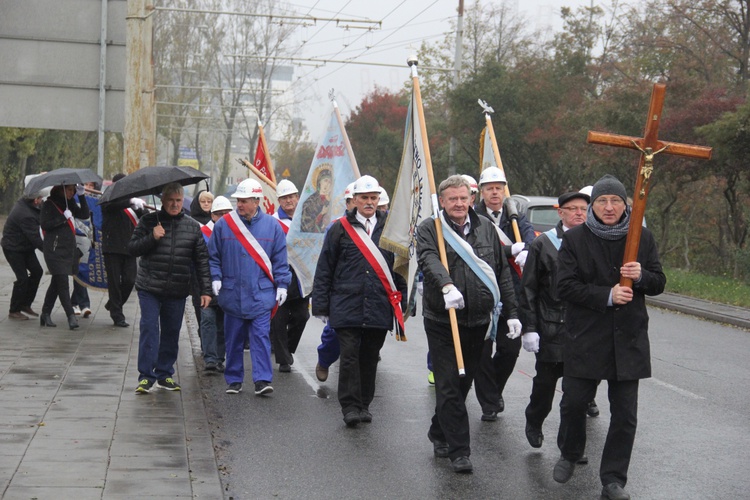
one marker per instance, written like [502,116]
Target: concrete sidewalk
[71,425]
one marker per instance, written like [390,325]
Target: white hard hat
[249,188]
[349,192]
[472,183]
[285,187]
[221,203]
[491,174]
[587,190]
[384,200]
[366,184]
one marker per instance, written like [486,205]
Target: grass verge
[720,289]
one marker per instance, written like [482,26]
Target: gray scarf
[604,231]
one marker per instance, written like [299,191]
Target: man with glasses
[608,331]
[543,313]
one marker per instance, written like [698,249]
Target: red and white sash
[285,223]
[376,260]
[249,243]
[131,215]
[207,229]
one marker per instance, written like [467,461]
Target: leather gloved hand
[68,214]
[521,258]
[514,327]
[453,299]
[324,319]
[530,342]
[517,248]
[215,287]
[137,203]
[80,190]
[280,296]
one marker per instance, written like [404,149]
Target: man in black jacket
[349,295]
[478,286]
[543,313]
[170,244]
[21,237]
[608,331]
[118,222]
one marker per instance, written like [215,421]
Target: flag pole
[352,159]
[496,153]
[257,172]
[266,153]
[412,62]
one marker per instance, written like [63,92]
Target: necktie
[496,213]
[367,226]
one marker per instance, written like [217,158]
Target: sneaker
[220,367]
[211,366]
[234,388]
[76,310]
[144,386]
[431,378]
[263,388]
[85,312]
[168,384]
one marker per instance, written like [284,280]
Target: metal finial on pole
[486,107]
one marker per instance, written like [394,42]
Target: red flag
[261,161]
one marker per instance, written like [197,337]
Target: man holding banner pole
[478,285]
[356,291]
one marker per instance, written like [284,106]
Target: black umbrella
[150,180]
[61,176]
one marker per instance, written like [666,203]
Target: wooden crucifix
[649,146]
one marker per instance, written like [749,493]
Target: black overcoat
[60,251]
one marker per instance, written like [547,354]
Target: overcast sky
[404,25]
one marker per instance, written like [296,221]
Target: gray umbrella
[60,176]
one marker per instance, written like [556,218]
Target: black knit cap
[564,198]
[609,185]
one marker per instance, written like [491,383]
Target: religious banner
[321,200]
[411,202]
[91,273]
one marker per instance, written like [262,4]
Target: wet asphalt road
[693,437]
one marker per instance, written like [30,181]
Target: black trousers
[358,366]
[28,271]
[451,420]
[494,371]
[287,327]
[543,392]
[59,286]
[623,404]
[121,272]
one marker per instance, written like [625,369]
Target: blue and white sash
[483,271]
[552,235]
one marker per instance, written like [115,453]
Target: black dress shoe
[365,416]
[122,323]
[592,410]
[46,320]
[501,405]
[489,416]
[462,465]
[440,448]
[614,491]
[285,368]
[534,435]
[72,322]
[352,418]
[563,470]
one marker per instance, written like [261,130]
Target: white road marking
[676,389]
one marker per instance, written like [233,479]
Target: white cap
[349,192]
[491,174]
[221,203]
[366,184]
[285,188]
[249,188]
[384,200]
[472,183]
[587,190]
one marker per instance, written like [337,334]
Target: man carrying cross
[608,323]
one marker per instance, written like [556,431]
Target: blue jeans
[212,334]
[161,321]
[80,296]
[257,332]
[329,348]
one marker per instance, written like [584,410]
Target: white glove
[521,258]
[137,203]
[530,342]
[80,190]
[517,248]
[324,319]
[514,326]
[420,287]
[280,296]
[68,214]
[216,286]
[453,299]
